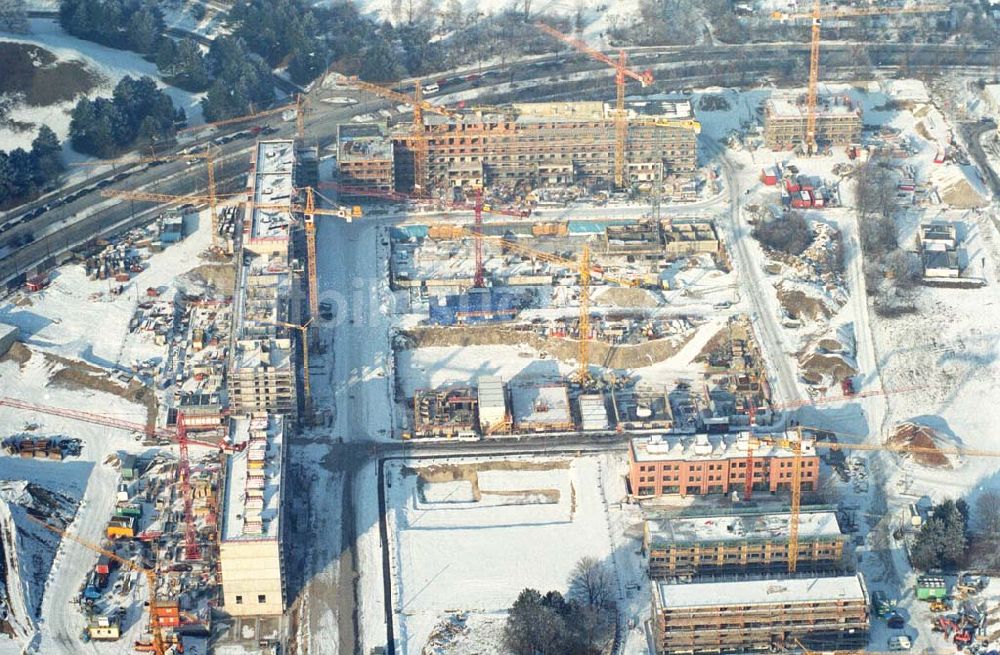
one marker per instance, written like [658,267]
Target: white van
[431,88]
[899,643]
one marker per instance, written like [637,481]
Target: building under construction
[761,615]
[445,413]
[838,122]
[365,156]
[540,144]
[740,542]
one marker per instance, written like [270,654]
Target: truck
[931,588]
[882,604]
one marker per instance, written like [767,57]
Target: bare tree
[904,266]
[590,582]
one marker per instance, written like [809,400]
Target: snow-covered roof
[760,592]
[658,448]
[784,107]
[490,392]
[593,412]
[272,185]
[252,502]
[540,404]
[740,528]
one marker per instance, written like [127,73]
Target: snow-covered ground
[530,522]
[77,319]
[109,63]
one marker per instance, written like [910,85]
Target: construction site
[373,388]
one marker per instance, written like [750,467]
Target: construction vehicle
[939,605]
[971,584]
[157,645]
[817,16]
[178,436]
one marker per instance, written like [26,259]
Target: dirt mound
[19,353]
[625,297]
[220,277]
[911,435]
[817,366]
[74,374]
[564,350]
[798,304]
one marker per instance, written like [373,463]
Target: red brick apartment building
[703,464]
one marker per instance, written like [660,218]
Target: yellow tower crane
[586,270]
[795,445]
[817,16]
[208,155]
[159,644]
[419,107]
[622,71]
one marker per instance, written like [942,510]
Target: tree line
[24,173]
[138,112]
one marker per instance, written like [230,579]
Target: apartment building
[550,143]
[251,532]
[365,158]
[726,543]
[761,615]
[715,464]
[838,122]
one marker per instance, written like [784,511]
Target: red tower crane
[478,207]
[179,435]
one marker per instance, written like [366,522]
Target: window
[261,598]
[239,600]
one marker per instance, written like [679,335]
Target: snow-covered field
[109,63]
[471,546]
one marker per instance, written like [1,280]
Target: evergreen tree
[46,154]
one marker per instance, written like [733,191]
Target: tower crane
[298,106]
[179,435]
[208,155]
[478,207]
[419,107]
[304,332]
[159,644]
[622,71]
[817,16]
[309,211]
[795,445]
[752,413]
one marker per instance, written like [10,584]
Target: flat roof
[759,592]
[540,404]
[272,185]
[489,390]
[657,448]
[363,142]
[252,505]
[708,529]
[786,107]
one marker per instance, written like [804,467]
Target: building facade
[715,464]
[761,615]
[550,143]
[365,157]
[838,122]
[251,531]
[737,543]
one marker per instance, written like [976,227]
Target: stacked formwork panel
[760,615]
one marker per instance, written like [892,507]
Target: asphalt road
[675,67]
